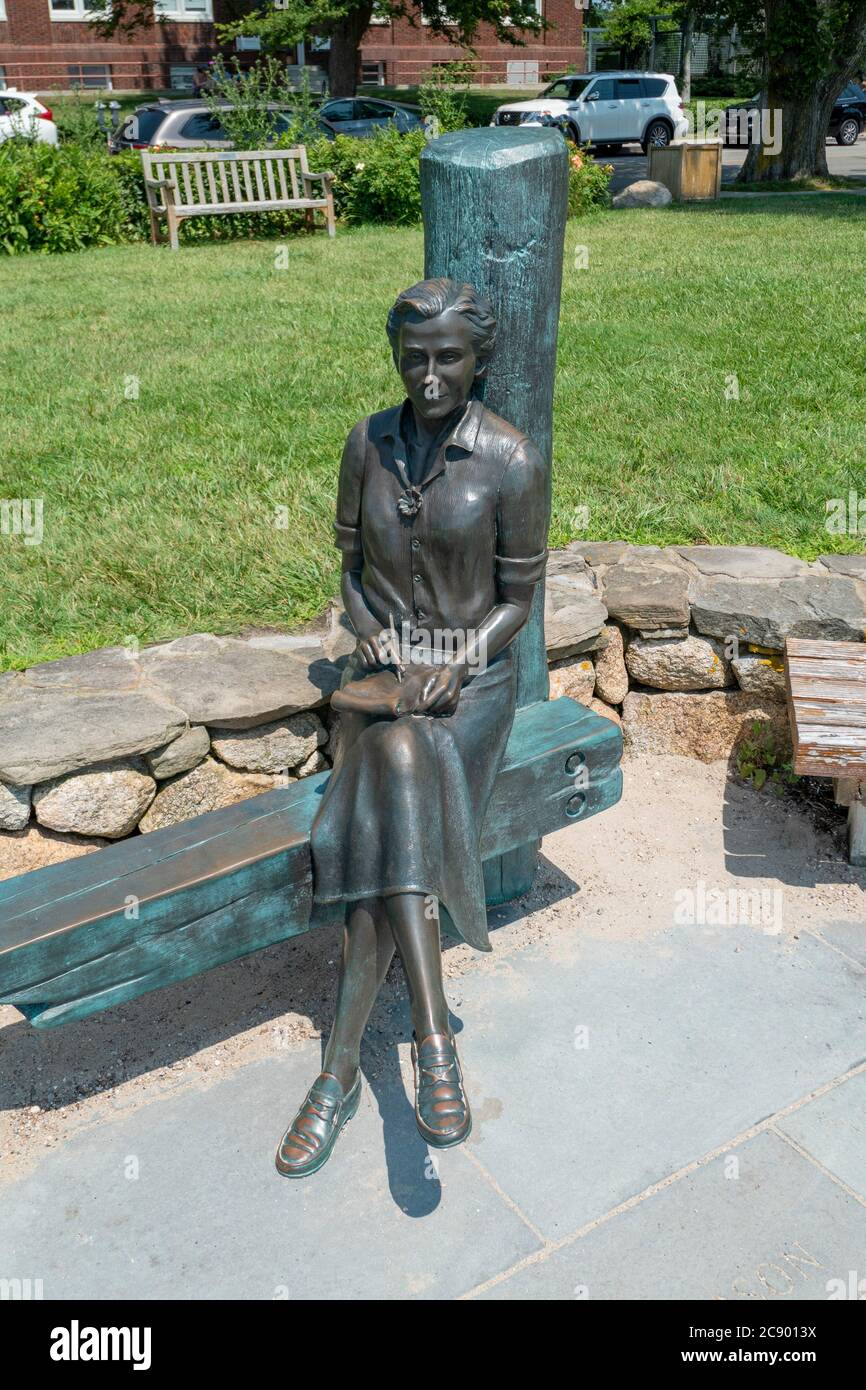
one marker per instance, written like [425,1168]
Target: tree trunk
[796,106]
[793,134]
[344,68]
[688,29]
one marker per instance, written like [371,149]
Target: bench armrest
[327,176]
[153,187]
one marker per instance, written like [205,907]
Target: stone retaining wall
[682,646]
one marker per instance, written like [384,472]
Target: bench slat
[253,206]
[230,882]
[260,188]
[826,690]
[236,187]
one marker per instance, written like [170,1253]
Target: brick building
[396,53]
[49,44]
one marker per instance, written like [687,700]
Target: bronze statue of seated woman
[442,517]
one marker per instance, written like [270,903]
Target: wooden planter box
[690,169]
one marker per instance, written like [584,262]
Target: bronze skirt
[405,804]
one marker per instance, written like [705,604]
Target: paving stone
[647,592]
[597,553]
[668,1068]
[833,1130]
[779,1231]
[852,565]
[741,561]
[573,613]
[829,607]
[849,936]
[180,755]
[700,724]
[229,682]
[45,733]
[376,1222]
[274,747]
[107,802]
[106,669]
[688,663]
[14,807]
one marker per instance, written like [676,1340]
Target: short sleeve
[522,520]
[347,527]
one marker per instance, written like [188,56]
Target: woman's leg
[416,933]
[368,948]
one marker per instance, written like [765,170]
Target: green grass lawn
[162,514]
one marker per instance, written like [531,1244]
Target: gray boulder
[14,807]
[573,613]
[208,787]
[46,732]
[689,663]
[283,744]
[181,755]
[644,193]
[765,612]
[107,802]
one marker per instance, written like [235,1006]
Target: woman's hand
[441,690]
[374,650]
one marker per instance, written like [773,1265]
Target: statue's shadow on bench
[261,1005]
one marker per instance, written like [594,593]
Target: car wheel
[848,132]
[572,133]
[658,135]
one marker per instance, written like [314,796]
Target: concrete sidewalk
[664,1106]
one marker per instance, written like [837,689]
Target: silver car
[193,125]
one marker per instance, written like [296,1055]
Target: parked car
[605,108]
[847,119]
[22,114]
[363,116]
[191,124]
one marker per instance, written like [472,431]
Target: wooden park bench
[95,931]
[827,708]
[206,182]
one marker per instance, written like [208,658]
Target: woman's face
[438,364]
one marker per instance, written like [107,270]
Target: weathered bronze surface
[442,517]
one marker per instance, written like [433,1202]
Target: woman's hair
[430,298]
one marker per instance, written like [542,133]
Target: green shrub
[588,184]
[386,183]
[57,199]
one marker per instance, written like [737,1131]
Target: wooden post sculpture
[495,203]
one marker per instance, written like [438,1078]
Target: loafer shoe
[441,1108]
[308,1142]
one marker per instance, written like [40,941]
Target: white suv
[605,108]
[22,114]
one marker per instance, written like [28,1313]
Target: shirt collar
[463,435]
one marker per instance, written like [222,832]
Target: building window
[191,11]
[71,9]
[93,75]
[373,74]
[180,79]
[2,79]
[2,9]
